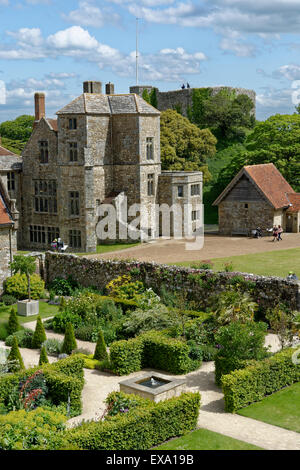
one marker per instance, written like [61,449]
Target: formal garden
[133,328]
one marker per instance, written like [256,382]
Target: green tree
[24,265]
[183,145]
[14,358]
[153,98]
[43,357]
[19,129]
[277,141]
[69,343]
[39,335]
[146,96]
[100,351]
[13,322]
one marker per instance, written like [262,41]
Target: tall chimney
[92,87]
[110,89]
[39,102]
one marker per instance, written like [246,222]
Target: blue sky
[53,46]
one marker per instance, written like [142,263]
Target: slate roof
[96,103]
[268,180]
[9,161]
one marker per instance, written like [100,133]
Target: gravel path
[212,415]
[215,246]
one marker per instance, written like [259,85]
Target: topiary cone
[39,335]
[69,340]
[100,351]
[43,357]
[15,355]
[13,322]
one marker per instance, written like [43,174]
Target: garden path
[212,415]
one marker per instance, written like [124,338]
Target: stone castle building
[258,196]
[183,99]
[102,149]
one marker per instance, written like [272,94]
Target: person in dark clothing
[183,86]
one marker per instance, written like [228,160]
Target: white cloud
[90,15]
[165,65]
[290,72]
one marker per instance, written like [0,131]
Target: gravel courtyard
[215,246]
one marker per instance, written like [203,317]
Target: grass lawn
[271,263]
[280,409]
[46,310]
[202,439]
[100,249]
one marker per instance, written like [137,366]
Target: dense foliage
[183,145]
[253,383]
[17,286]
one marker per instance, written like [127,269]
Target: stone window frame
[182,193]
[11,181]
[72,124]
[150,148]
[45,196]
[42,235]
[75,238]
[74,203]
[195,215]
[44,151]
[73,151]
[195,189]
[150,184]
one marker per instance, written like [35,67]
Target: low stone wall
[199,284]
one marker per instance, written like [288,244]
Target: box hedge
[262,378]
[64,378]
[140,429]
[152,349]
[225,365]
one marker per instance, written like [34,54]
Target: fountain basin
[161,387]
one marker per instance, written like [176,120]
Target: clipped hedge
[64,378]
[225,365]
[140,429]
[262,378]
[152,349]
[126,356]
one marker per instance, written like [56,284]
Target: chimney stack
[39,102]
[110,89]
[92,87]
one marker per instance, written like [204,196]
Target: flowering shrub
[124,288]
[17,286]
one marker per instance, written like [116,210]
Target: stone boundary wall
[267,291]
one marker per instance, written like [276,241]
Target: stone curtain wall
[199,284]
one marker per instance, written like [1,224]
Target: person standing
[275,233]
[279,232]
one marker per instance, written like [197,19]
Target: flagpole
[137,53]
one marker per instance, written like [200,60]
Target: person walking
[279,232]
[275,233]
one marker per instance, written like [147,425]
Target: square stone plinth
[28,308]
[171,388]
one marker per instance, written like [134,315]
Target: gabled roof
[9,161]
[268,180]
[294,199]
[53,124]
[96,103]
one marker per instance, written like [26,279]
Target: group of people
[57,245]
[277,231]
[183,86]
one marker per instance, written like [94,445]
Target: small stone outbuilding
[259,196]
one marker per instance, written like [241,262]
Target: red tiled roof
[295,201]
[271,182]
[4,151]
[268,180]
[53,124]
[5,218]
